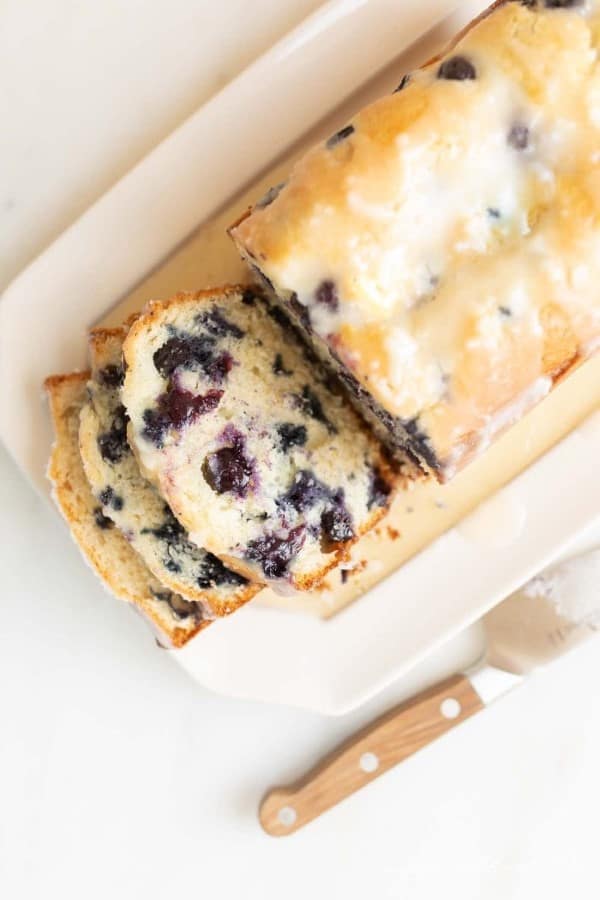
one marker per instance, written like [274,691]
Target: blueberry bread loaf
[258,458]
[133,504]
[122,571]
[442,251]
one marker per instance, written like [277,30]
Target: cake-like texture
[442,251]
[133,504]
[121,570]
[261,460]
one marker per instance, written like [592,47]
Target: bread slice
[121,570]
[441,251]
[259,457]
[136,507]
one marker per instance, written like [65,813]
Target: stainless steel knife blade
[544,619]
[547,617]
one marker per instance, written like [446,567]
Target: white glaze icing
[465,255]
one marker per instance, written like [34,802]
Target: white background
[119,778]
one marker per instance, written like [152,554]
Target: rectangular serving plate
[129,237]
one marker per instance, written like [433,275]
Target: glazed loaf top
[446,242]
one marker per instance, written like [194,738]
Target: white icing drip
[382,212]
[590,347]
[408,357]
[515,410]
[463,217]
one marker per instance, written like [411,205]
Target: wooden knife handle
[368,754]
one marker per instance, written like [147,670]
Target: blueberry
[220,367]
[518,136]
[271,194]
[175,409]
[379,489]
[182,609]
[108,497]
[457,68]
[331,382]
[274,553]
[101,520]
[170,531]
[184,352]
[180,407]
[218,326]
[419,442]
[112,444]
[305,492]
[266,281]
[197,352]
[351,382]
[310,405]
[229,469]
[336,522]
[154,428]
[291,435]
[310,356]
[326,295]
[301,311]
[279,316]
[402,85]
[279,367]
[174,536]
[213,573]
[340,135]
[111,376]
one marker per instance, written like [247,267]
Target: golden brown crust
[101,341]
[154,309]
[315,580]
[109,554]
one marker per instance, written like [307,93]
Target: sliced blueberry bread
[103,546]
[133,504]
[260,458]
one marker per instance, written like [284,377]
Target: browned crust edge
[98,339]
[65,497]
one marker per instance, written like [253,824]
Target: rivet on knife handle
[368,754]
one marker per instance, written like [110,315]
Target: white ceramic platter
[262,653]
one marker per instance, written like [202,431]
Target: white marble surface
[89,88]
[118,777]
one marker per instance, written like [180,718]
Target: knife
[550,615]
